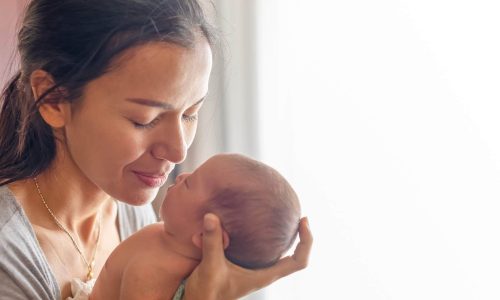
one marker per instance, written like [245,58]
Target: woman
[104,106]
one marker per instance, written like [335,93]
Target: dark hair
[260,215]
[75,41]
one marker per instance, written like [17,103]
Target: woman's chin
[139,198]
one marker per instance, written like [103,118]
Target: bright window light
[384,116]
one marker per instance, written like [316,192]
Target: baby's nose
[180,177]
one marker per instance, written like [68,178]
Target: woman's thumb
[213,248]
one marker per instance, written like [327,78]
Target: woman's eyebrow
[157,103]
[151,103]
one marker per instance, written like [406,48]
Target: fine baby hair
[260,213]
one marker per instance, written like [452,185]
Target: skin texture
[100,149]
[135,272]
[102,136]
[216,278]
[154,272]
[180,210]
[173,246]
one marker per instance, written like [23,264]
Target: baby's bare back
[142,267]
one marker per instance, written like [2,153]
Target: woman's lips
[150,180]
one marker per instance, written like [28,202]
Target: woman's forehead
[158,71]
[160,58]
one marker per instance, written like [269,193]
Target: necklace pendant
[90,274]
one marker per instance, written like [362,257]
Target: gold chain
[90,266]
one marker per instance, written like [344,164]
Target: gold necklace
[89,265]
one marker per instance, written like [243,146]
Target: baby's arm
[141,267]
[148,282]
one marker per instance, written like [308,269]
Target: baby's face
[181,209]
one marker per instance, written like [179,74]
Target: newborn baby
[258,209]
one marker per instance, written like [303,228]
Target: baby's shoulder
[138,245]
[149,238]
[151,232]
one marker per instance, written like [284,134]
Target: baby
[258,209]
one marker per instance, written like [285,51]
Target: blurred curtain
[227,121]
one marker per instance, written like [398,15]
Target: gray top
[24,271]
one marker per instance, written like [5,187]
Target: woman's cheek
[131,143]
[191,133]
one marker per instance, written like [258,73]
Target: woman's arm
[216,278]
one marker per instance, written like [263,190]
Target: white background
[384,115]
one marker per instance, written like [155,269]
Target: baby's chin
[162,213]
[197,253]
[168,233]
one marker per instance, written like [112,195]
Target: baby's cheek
[163,210]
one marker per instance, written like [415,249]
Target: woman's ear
[198,239]
[54,113]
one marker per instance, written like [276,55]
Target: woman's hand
[216,278]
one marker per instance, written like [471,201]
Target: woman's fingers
[303,250]
[294,263]
[208,279]
[217,278]
[213,249]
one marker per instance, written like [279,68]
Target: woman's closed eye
[185,117]
[190,118]
[146,125]
[190,115]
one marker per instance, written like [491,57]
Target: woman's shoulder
[9,207]
[16,233]
[133,218]
[22,263]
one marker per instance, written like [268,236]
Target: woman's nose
[171,143]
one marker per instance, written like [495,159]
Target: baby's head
[258,208]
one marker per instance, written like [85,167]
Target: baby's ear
[225,239]
[197,239]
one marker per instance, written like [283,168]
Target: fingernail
[208,223]
[306,220]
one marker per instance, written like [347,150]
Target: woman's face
[137,121]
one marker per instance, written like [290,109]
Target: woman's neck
[73,199]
